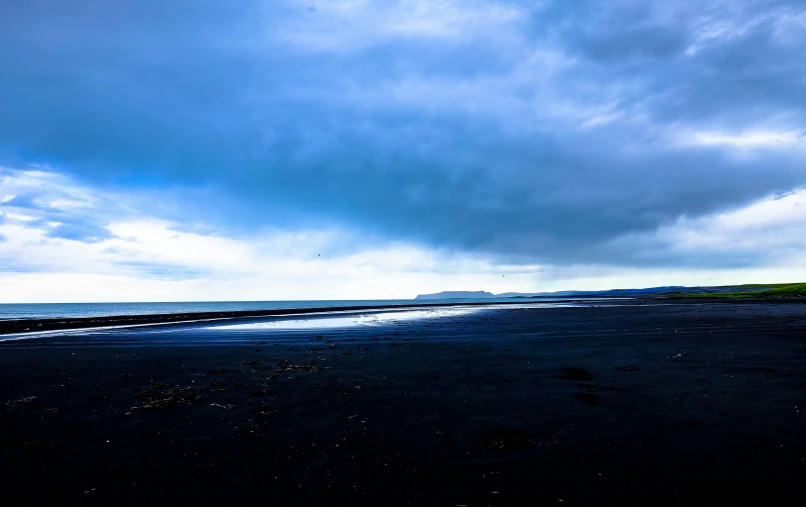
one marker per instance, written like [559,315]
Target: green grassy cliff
[750,290]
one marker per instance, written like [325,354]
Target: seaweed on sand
[21,401]
[285,365]
[507,438]
[159,395]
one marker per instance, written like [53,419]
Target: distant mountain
[458,294]
[523,294]
[649,291]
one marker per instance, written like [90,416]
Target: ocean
[12,311]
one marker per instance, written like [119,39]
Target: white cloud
[146,258]
[355,24]
[748,139]
[592,277]
[772,228]
[762,239]
[151,259]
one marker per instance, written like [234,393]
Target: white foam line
[372,320]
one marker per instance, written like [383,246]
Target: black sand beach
[650,403]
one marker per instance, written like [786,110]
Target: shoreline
[32,326]
[26,326]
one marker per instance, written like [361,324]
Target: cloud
[533,133]
[768,232]
[757,139]
[50,201]
[138,256]
[357,24]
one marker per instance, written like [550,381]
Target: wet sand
[22,326]
[663,404]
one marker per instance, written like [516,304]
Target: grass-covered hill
[749,290]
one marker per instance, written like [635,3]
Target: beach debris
[35,443]
[265,380]
[507,439]
[550,438]
[577,374]
[249,428]
[225,406]
[265,410]
[221,370]
[219,386]
[285,365]
[26,399]
[159,395]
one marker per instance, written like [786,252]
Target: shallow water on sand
[77,310]
[275,328]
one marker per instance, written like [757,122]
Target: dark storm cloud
[532,133]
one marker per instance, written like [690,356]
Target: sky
[356,149]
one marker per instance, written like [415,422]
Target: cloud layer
[538,133]
[129,255]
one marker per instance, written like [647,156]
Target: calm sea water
[64,310]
